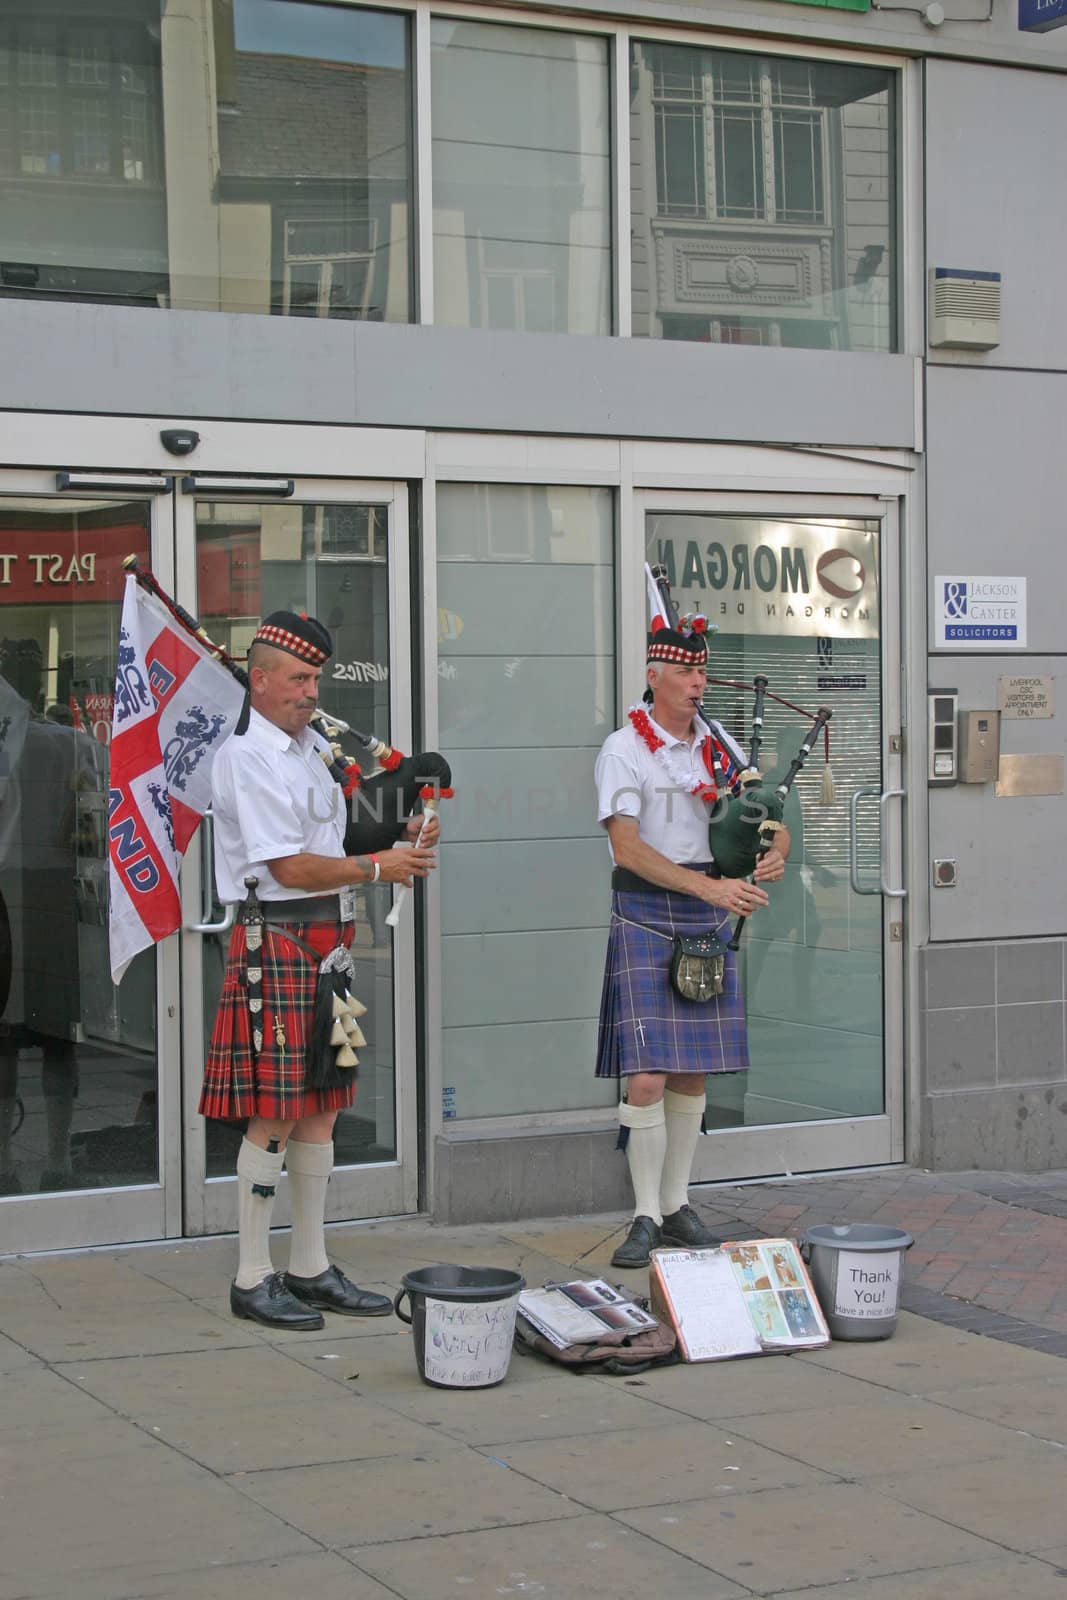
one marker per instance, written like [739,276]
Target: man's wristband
[377,868]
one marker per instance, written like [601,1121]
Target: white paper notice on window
[468,1344]
[868,1283]
[708,1308]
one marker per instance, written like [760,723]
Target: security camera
[179,441]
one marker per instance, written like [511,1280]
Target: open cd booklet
[749,1298]
[582,1312]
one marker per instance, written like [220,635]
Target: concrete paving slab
[40,1401]
[149,1513]
[14,1356]
[404,1497]
[716,1389]
[887,1434]
[565,1407]
[1016,1576]
[593,1557]
[323,1577]
[1020,1506]
[272,1436]
[1037,1406]
[587,1244]
[168,1385]
[650,1466]
[82,1280]
[789,1538]
[924,1356]
[77,1334]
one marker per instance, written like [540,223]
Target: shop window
[526,663]
[521,178]
[763,194]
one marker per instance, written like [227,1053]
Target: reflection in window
[314,182]
[763,199]
[81,152]
[526,646]
[521,179]
[78,1058]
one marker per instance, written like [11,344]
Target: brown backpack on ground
[619,1354]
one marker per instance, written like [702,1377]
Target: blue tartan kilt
[645,1026]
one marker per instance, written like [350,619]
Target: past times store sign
[772,578]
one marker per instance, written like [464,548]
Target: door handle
[207,873]
[883,806]
[882,887]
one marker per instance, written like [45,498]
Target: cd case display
[582,1312]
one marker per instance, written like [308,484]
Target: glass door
[805,598]
[85,1109]
[248,546]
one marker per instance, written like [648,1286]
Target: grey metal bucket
[462,1322]
[856,1268]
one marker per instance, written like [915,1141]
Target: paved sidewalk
[152,1446]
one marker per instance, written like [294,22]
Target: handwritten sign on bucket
[468,1343]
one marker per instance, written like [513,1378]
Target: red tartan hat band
[301,636]
[687,650]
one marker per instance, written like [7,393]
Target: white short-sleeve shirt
[630,782]
[272,796]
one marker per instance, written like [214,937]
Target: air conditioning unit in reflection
[964,308]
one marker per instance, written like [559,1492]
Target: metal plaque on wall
[1029,775]
[1024,699]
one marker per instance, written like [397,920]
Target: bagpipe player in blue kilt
[672,1009]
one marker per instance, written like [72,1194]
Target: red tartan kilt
[236,1084]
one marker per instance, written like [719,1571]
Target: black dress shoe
[332,1291]
[271,1303]
[684,1227]
[644,1235]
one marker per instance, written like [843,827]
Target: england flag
[174,707]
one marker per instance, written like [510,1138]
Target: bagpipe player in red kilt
[657,780]
[280,1052]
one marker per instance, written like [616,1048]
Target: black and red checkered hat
[300,635]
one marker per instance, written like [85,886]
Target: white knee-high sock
[262,1169]
[645,1149]
[309,1167]
[683,1114]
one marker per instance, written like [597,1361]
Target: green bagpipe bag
[734,829]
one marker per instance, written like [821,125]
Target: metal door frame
[734,1154]
[129,1213]
[377,1189]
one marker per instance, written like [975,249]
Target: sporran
[697,966]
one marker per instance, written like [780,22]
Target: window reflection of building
[763,201]
[312,123]
[81,151]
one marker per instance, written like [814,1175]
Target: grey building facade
[473,310]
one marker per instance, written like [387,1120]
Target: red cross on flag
[174,707]
[657,610]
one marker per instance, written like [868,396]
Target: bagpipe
[378,804]
[743,823]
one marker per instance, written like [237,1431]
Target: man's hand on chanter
[734,894]
[432,832]
[400,866]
